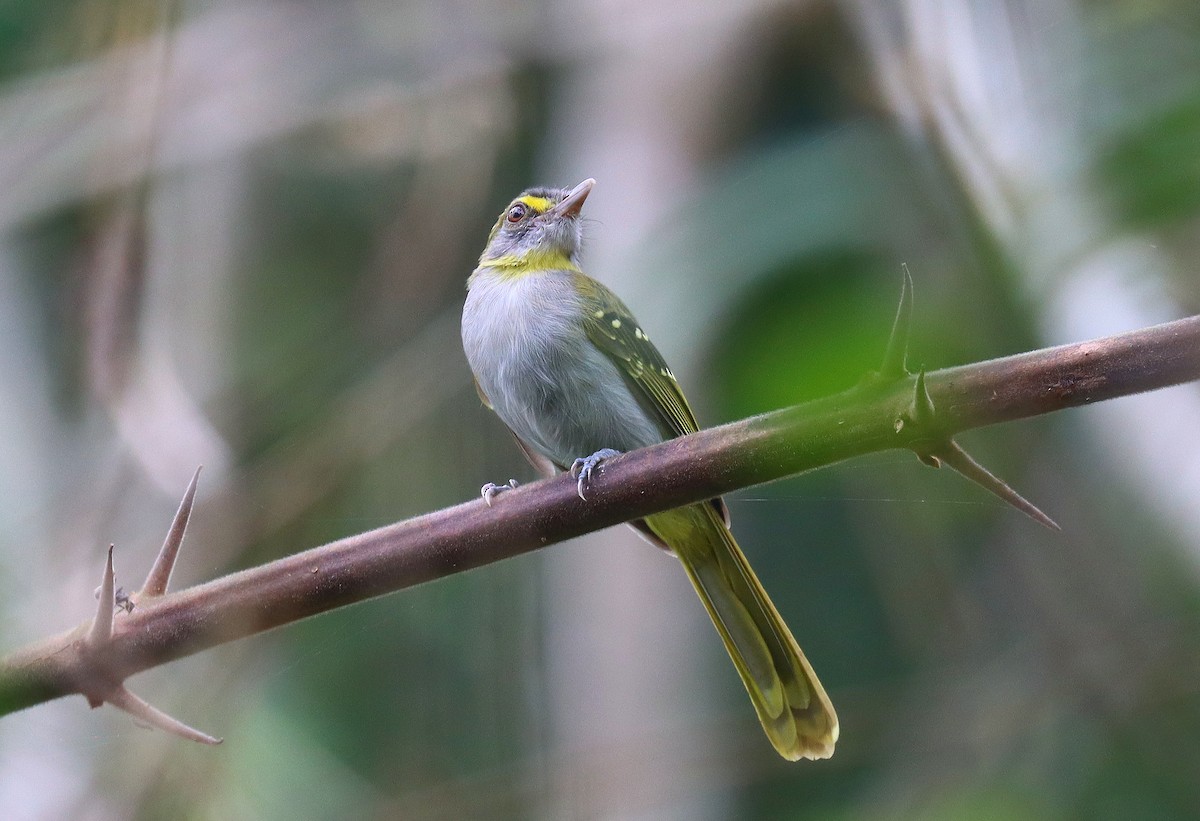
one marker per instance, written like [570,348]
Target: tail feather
[791,704]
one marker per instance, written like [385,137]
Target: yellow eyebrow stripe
[539,204]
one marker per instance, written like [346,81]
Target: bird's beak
[573,202]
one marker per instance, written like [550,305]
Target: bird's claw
[583,468]
[491,490]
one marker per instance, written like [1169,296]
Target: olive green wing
[612,328]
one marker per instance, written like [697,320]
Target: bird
[567,368]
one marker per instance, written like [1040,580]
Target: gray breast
[524,340]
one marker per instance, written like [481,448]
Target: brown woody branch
[882,413]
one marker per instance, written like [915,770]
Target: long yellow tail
[791,704]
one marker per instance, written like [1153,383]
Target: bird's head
[538,230]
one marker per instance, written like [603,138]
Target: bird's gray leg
[583,468]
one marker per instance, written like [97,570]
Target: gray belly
[544,379]
[575,404]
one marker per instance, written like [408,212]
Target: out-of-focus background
[236,234]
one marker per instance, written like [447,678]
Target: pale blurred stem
[700,466]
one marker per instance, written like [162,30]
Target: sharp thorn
[921,409]
[123,699]
[101,630]
[159,576]
[950,453]
[895,357]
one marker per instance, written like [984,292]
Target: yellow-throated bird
[564,364]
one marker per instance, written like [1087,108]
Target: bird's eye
[516,213]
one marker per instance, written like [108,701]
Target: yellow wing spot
[616,323]
[599,313]
[637,333]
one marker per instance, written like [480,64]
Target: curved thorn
[921,409]
[952,454]
[160,572]
[895,357]
[101,630]
[123,699]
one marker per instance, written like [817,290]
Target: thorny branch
[891,409]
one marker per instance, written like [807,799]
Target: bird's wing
[612,328]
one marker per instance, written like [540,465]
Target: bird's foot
[583,468]
[491,490]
